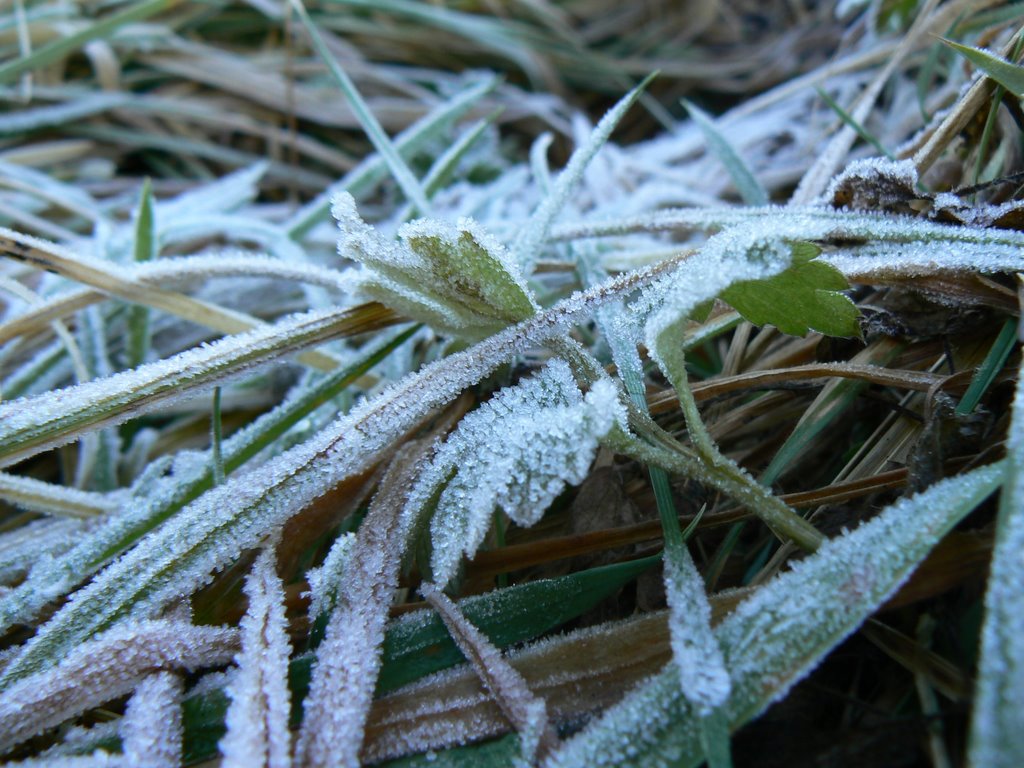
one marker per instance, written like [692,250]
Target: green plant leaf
[1010,76]
[805,297]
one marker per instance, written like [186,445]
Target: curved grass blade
[750,189]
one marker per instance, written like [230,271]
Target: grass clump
[688,442]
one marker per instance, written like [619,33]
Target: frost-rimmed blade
[997,723]
[526,712]
[151,729]
[348,659]
[51,499]
[780,633]
[34,424]
[207,534]
[527,246]
[517,452]
[257,720]
[105,668]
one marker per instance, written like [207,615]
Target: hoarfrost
[325,581]
[105,668]
[702,674]
[526,712]
[517,452]
[151,730]
[348,659]
[997,727]
[257,719]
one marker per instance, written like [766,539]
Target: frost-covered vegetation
[426,383]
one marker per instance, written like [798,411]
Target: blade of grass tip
[1007,74]
[102,29]
[144,250]
[216,429]
[527,246]
[364,176]
[990,368]
[374,131]
[847,118]
[747,185]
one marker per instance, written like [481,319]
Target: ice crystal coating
[456,278]
[102,669]
[516,452]
[702,674]
[257,720]
[151,730]
[997,729]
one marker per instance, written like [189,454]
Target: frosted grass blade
[257,720]
[192,475]
[211,531]
[105,668]
[151,729]
[997,723]
[1008,75]
[32,425]
[527,246]
[145,249]
[783,630]
[51,499]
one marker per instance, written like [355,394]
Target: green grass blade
[750,189]
[374,131]
[101,30]
[144,249]
[848,119]
[990,368]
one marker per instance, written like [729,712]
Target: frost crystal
[105,668]
[702,673]
[151,728]
[997,733]
[516,452]
[257,720]
[526,712]
[348,659]
[455,278]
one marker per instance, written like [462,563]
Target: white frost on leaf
[455,278]
[698,659]
[997,728]
[151,730]
[105,668]
[517,451]
[348,659]
[257,719]
[526,712]
[325,581]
